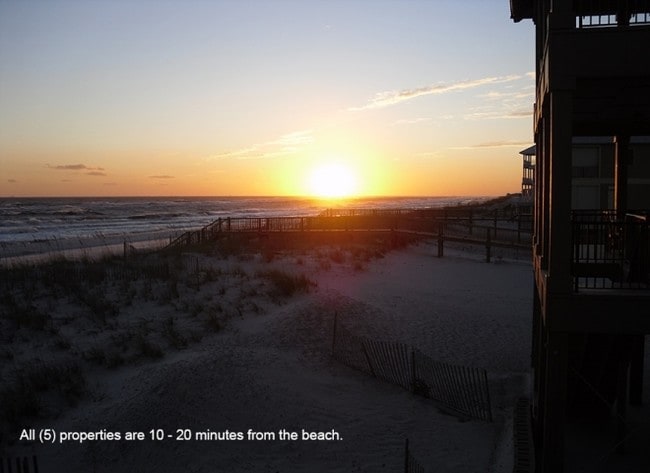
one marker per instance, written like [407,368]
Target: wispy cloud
[162,176]
[499,114]
[411,121]
[287,144]
[495,144]
[75,167]
[393,97]
[95,173]
[12,181]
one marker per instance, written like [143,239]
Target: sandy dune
[273,370]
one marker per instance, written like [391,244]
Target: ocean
[36,225]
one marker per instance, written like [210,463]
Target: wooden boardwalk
[459,225]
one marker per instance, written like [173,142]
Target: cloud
[286,144]
[520,114]
[411,121]
[499,114]
[12,181]
[162,176]
[75,167]
[496,144]
[392,97]
[95,173]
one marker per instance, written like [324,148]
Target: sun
[332,180]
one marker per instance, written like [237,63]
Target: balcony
[610,251]
[608,13]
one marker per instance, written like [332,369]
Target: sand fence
[459,389]
[19,464]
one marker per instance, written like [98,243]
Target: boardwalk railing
[460,389]
[467,225]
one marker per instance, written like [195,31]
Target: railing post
[488,245]
[471,220]
[336,316]
[575,235]
[441,240]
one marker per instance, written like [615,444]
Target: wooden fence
[460,389]
[411,465]
[472,227]
[21,464]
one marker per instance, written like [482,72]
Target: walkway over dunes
[467,224]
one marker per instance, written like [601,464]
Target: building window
[585,161]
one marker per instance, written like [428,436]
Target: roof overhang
[521,10]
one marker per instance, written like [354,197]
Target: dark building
[591,266]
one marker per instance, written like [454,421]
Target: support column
[636,370]
[621,160]
[544,195]
[622,376]
[555,401]
[561,145]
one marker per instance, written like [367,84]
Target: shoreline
[107,242]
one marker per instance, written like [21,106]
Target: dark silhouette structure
[591,299]
[528,177]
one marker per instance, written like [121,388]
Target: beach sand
[240,355]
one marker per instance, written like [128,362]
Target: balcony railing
[610,250]
[608,13]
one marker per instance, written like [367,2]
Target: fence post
[488,245]
[365,352]
[471,220]
[441,240]
[413,371]
[406,457]
[336,316]
[487,393]
[125,249]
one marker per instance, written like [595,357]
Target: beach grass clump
[18,402]
[337,256]
[285,284]
[173,335]
[148,348]
[108,357]
[24,314]
[22,398]
[60,342]
[101,308]
[213,322]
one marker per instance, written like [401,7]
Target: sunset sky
[258,97]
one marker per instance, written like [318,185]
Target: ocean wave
[70,218]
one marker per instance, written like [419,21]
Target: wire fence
[462,390]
